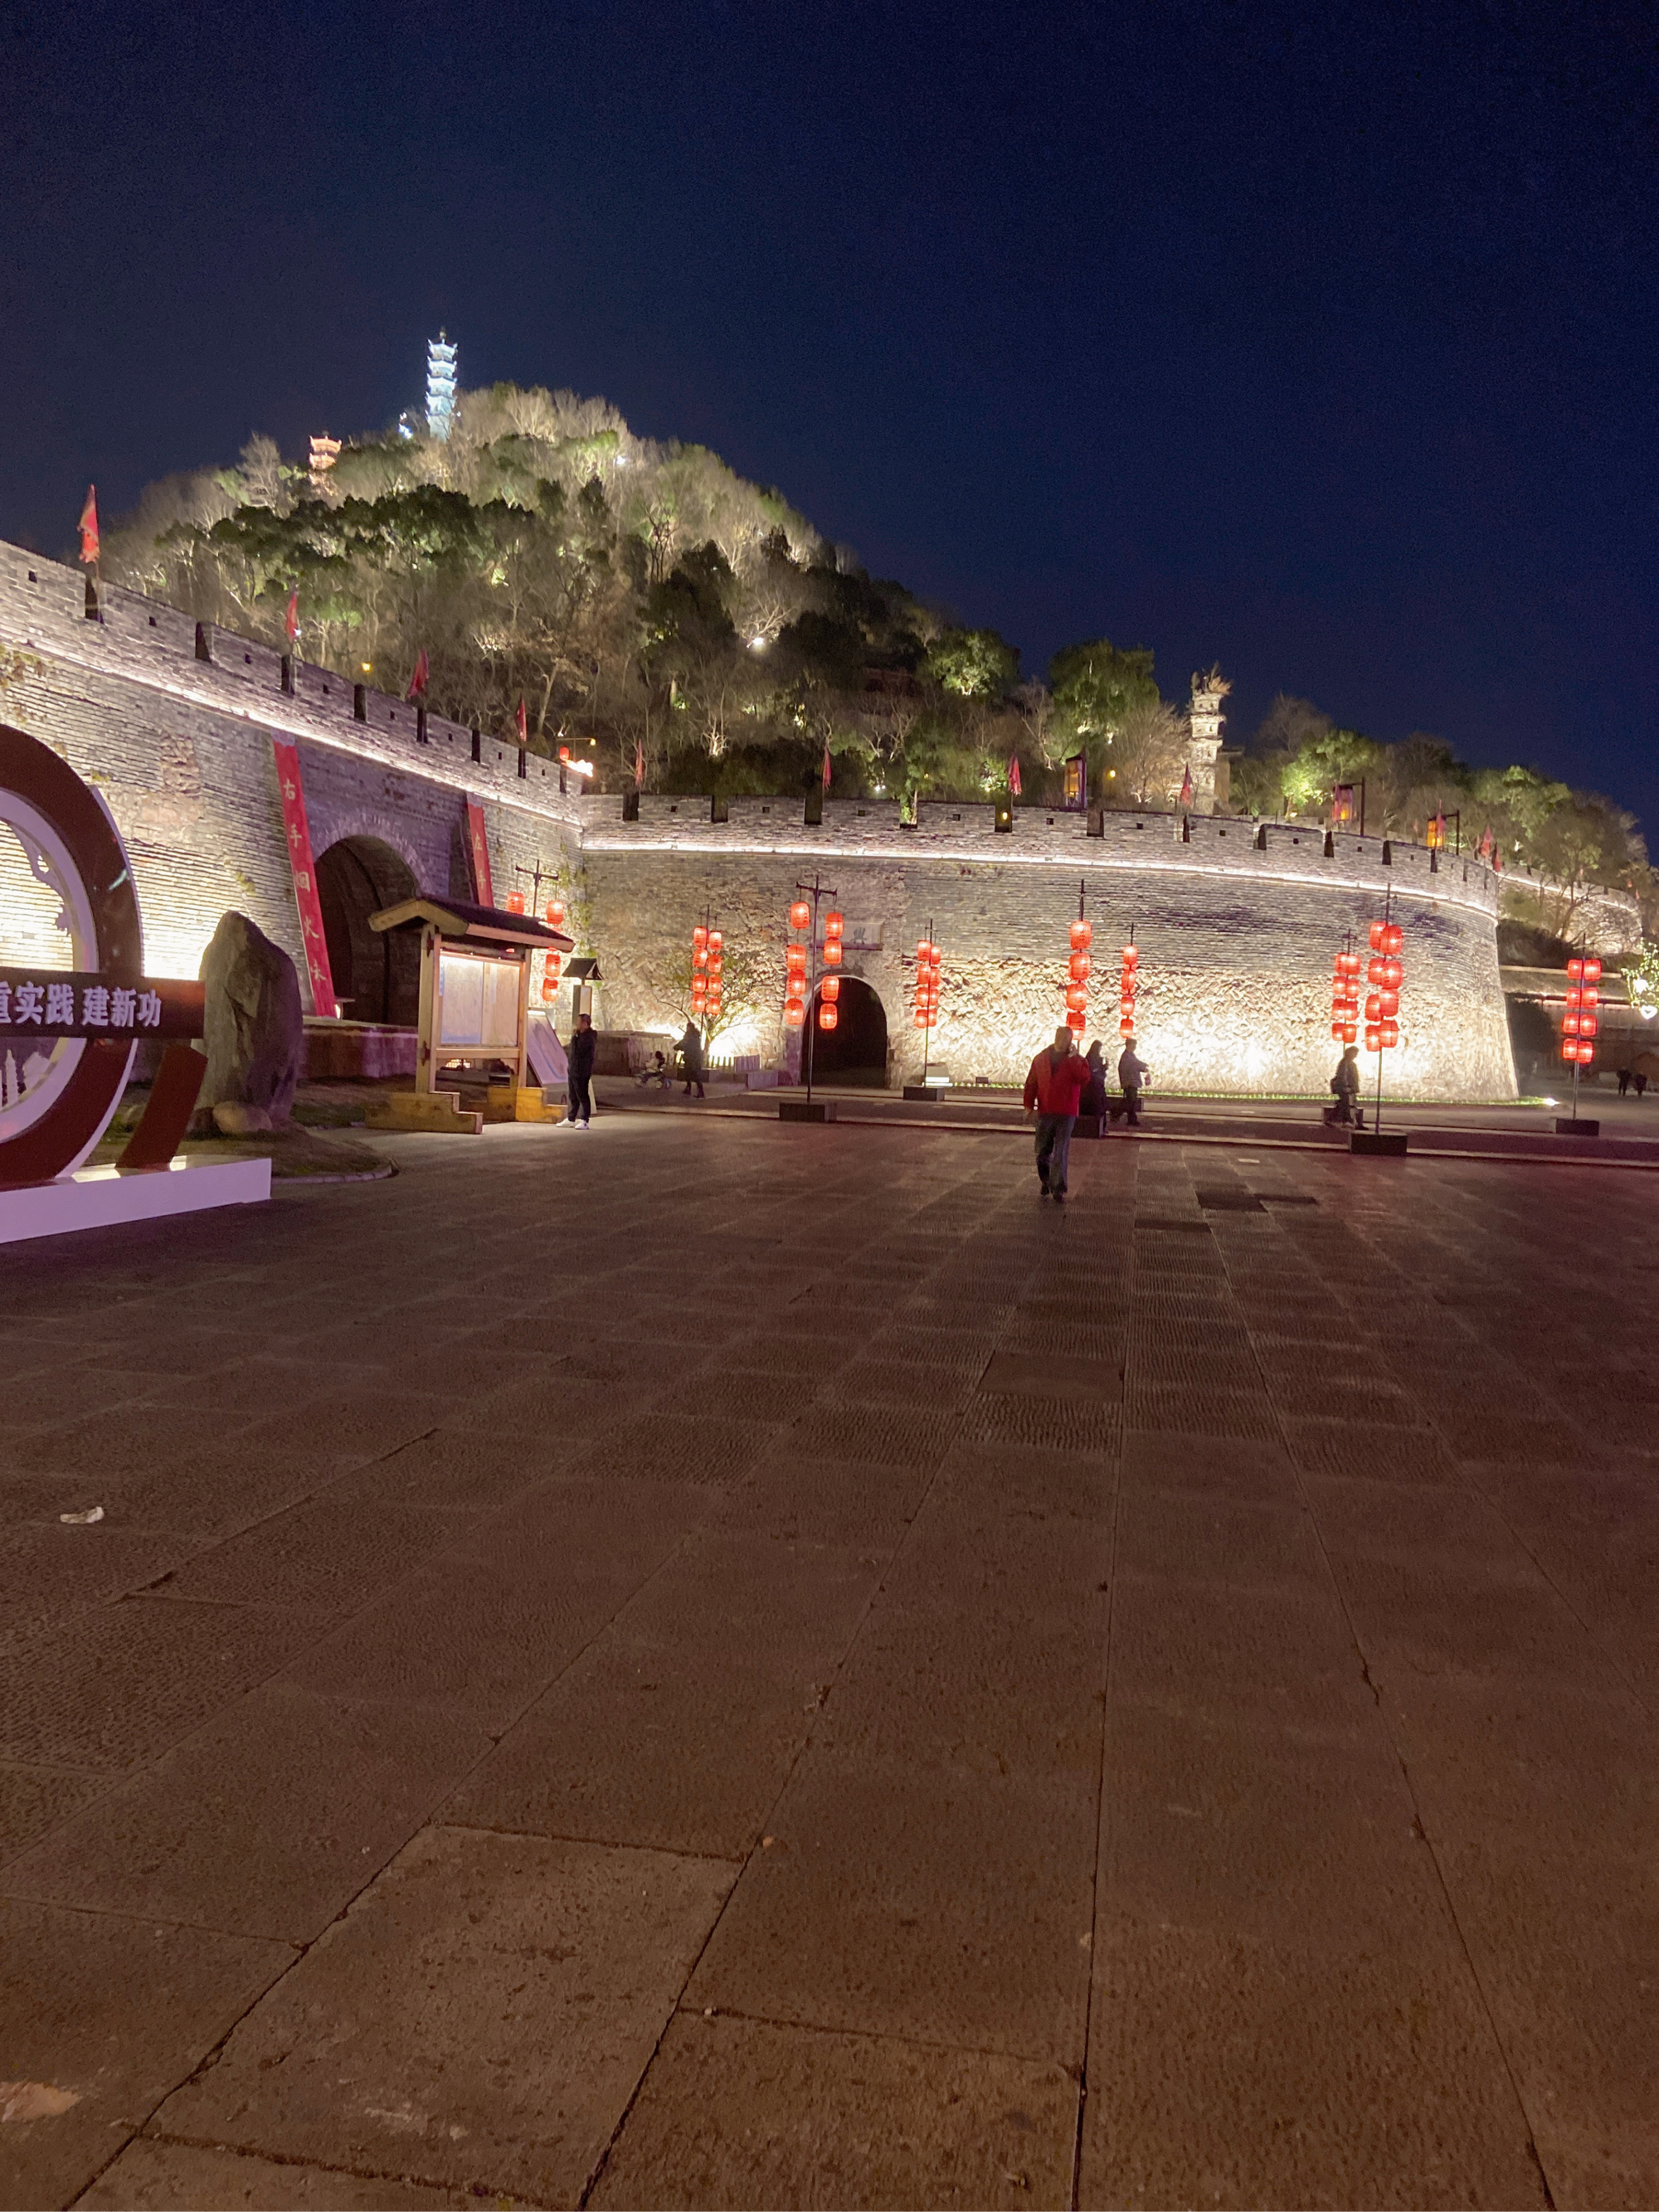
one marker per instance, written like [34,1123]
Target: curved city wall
[1237,927]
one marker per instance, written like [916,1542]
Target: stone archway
[855,1050]
[377,978]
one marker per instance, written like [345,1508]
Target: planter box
[803,1110]
[1389,1145]
[1565,1126]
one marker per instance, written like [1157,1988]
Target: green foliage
[1641,971]
[1574,838]
[973,663]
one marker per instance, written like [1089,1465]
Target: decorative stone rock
[253,1023]
[231,1118]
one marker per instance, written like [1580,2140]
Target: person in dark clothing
[1623,1081]
[1640,1081]
[579,1061]
[1094,1098]
[1053,1086]
[1131,1075]
[691,1059]
[1344,1089]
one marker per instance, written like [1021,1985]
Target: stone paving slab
[826,1680]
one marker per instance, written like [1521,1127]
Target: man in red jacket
[1058,1078]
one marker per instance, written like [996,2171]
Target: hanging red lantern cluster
[794,956]
[1129,984]
[707,968]
[927,975]
[1078,968]
[828,993]
[833,930]
[553,966]
[1345,999]
[1385,975]
[1579,1029]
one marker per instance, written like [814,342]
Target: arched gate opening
[854,1052]
[377,976]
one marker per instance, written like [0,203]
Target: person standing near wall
[583,1046]
[1131,1076]
[691,1059]
[1053,1083]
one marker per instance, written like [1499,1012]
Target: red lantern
[924,953]
[1592,970]
[920,1019]
[1077,996]
[716,964]
[799,914]
[515,902]
[556,913]
[827,1017]
[832,952]
[1076,1019]
[699,935]
[833,926]
[794,958]
[1082,935]
[550,990]
[1079,966]
[1131,956]
[716,938]
[831,988]
[795,1014]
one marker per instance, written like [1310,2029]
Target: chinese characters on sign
[479,845]
[304,873]
[56,1004]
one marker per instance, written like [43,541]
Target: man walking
[583,1046]
[1056,1080]
[1131,1075]
[1345,1088]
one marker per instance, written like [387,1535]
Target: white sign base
[99,1198]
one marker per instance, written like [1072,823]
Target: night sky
[1318,340]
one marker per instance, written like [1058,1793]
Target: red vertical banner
[310,906]
[479,845]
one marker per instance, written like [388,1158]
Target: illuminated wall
[1236,933]
[1235,966]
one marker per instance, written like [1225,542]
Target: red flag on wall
[1187,788]
[418,681]
[89,527]
[522,724]
[291,619]
[1013,774]
[826,765]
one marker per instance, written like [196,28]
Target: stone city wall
[1237,931]
[1235,952]
[181,748]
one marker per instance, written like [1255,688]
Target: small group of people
[1062,1084]
[1632,1078]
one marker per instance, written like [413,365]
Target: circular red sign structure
[99,894]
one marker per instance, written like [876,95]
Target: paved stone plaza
[721,1663]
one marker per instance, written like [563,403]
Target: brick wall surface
[1235,935]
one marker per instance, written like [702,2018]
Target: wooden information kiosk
[475,1003]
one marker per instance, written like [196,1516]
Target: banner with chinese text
[305,898]
[478,845]
[51,1002]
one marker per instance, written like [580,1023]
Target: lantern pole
[1582,942]
[816,890]
[928,1034]
[1376,1114]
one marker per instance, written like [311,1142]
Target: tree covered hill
[650,607]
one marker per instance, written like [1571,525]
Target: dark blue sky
[1321,341]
